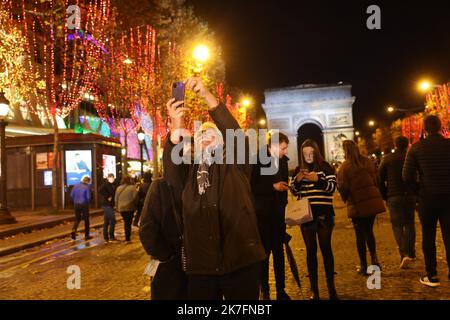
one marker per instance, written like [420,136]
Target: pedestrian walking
[126,199]
[401,201]
[270,194]
[315,180]
[221,238]
[358,186]
[160,231]
[81,197]
[107,191]
[429,159]
[142,193]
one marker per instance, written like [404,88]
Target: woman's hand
[195,84]
[312,176]
[300,177]
[281,186]
[176,113]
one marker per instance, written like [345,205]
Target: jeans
[401,210]
[242,284]
[364,236]
[430,213]
[127,219]
[109,222]
[81,213]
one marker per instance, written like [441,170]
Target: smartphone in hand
[178,91]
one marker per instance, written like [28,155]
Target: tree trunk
[156,172]
[125,156]
[55,166]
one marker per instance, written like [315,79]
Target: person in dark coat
[81,196]
[142,193]
[358,186]
[270,194]
[160,232]
[221,238]
[108,191]
[429,159]
[401,200]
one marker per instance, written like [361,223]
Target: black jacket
[158,230]
[220,227]
[107,190]
[430,160]
[142,192]
[160,234]
[266,197]
[391,183]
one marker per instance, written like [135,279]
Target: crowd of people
[212,225]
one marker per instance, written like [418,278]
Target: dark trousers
[321,229]
[81,213]
[364,236]
[401,210]
[138,215]
[242,284]
[170,282]
[127,219]
[272,230]
[109,223]
[430,213]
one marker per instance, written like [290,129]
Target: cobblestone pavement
[115,270]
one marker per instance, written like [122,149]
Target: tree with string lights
[64,61]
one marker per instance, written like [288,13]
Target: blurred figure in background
[142,193]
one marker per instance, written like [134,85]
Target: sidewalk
[37,227]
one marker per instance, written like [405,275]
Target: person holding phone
[222,246]
[315,179]
[270,193]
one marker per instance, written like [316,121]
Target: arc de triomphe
[325,107]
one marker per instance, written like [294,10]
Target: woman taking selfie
[357,181]
[315,179]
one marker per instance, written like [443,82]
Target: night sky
[269,44]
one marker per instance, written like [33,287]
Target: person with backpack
[358,186]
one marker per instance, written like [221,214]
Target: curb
[28,245]
[43,225]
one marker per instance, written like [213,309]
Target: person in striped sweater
[315,179]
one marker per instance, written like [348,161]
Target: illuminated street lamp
[5,215]
[141,138]
[262,122]
[390,109]
[201,53]
[371,123]
[426,85]
[357,133]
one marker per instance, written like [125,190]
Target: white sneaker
[406,261]
[431,282]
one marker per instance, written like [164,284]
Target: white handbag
[298,212]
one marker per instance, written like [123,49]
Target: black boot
[332,289]
[314,287]
[374,259]
[282,295]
